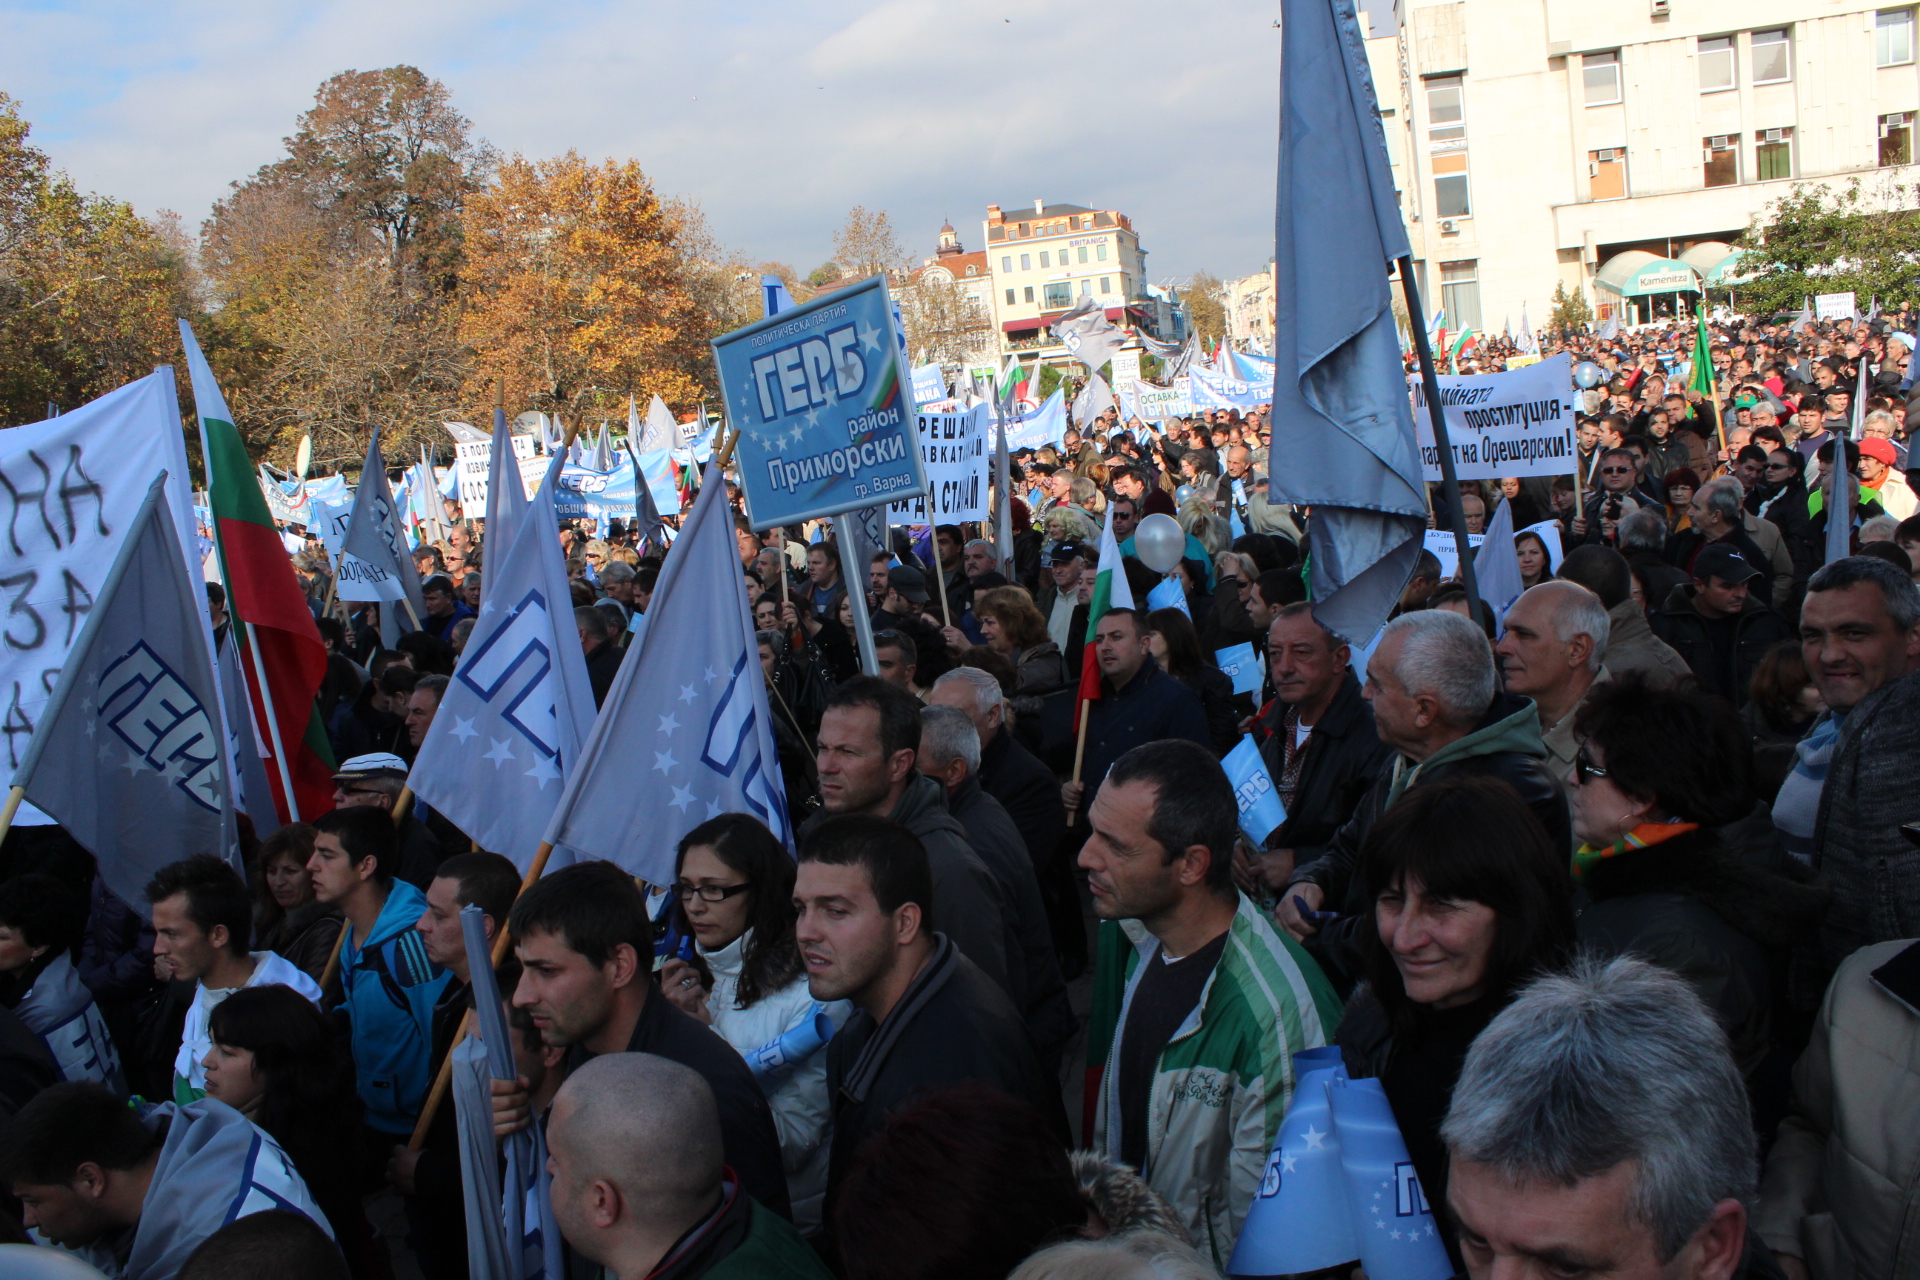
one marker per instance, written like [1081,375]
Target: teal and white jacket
[391,988]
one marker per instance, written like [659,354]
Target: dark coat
[1224,708]
[1685,546]
[1808,543]
[437,1215]
[1727,926]
[1872,790]
[603,664]
[1757,630]
[1344,757]
[1029,793]
[953,1024]
[304,937]
[1658,577]
[1152,705]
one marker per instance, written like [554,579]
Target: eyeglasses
[707,892]
[1615,471]
[1584,768]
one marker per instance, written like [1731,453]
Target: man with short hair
[585,946]
[1552,651]
[1201,1004]
[444,608]
[375,781]
[1600,1128]
[599,640]
[898,658]
[1856,781]
[133,1193]
[1431,685]
[1317,740]
[422,704]
[948,543]
[202,920]
[1611,502]
[389,985]
[617,581]
[1138,703]
[925,1015]
[1717,513]
[1631,644]
[824,588]
[868,741]
[1126,516]
[1718,625]
[640,1182]
[950,754]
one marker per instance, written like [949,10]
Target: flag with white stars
[684,734]
[509,730]
[131,753]
[1399,1239]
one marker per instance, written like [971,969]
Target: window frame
[1755,44]
[1459,315]
[1612,60]
[1065,288]
[1760,141]
[1027,294]
[1889,121]
[1726,45]
[1708,151]
[1006,263]
[1902,18]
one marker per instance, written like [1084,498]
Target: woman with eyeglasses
[1471,900]
[734,882]
[1658,774]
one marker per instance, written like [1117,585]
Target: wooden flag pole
[502,940]
[14,796]
[1080,750]
[402,806]
[940,577]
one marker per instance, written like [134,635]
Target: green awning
[1637,273]
[1717,261]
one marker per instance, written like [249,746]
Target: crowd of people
[1616,895]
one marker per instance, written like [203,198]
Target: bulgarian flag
[1110,591]
[1702,373]
[281,654]
[1466,338]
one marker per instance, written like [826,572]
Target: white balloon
[1159,542]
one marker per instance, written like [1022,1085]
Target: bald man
[635,1156]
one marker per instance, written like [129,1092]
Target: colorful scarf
[1643,836]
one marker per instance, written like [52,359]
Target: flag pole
[14,796]
[1430,382]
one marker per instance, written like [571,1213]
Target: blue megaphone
[772,1061]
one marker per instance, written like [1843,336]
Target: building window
[1444,104]
[1447,147]
[1772,155]
[1029,293]
[1059,294]
[1086,288]
[1006,265]
[1772,57]
[1602,74]
[1083,253]
[1460,294]
[1044,264]
[1607,174]
[1026,262]
[1100,251]
[1716,64]
[1721,155]
[1896,139]
[1009,297]
[1893,38]
[1106,284]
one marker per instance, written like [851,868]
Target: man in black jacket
[600,637]
[925,1016]
[1321,750]
[1138,703]
[1720,628]
[1431,685]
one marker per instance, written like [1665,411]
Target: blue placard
[820,397]
[1169,595]
[1253,791]
[1240,666]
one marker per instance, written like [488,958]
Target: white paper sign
[953,449]
[1518,423]
[1440,542]
[474,460]
[1833,306]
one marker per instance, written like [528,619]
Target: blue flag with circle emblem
[518,708]
[130,755]
[684,734]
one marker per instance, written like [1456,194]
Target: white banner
[1833,306]
[1155,403]
[1440,542]
[1518,423]
[953,449]
[928,385]
[472,462]
[69,490]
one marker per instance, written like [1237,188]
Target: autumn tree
[866,246]
[88,289]
[1205,297]
[579,291]
[944,323]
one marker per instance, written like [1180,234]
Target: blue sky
[776,117]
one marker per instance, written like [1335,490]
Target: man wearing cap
[376,781]
[1878,457]
[1718,624]
[901,609]
[1063,561]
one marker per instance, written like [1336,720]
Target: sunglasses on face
[1584,768]
[1614,471]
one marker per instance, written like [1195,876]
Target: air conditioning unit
[1659,8]
[1446,224]
[1773,135]
[1718,142]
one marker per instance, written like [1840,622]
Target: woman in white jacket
[734,881]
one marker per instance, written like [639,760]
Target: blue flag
[517,711]
[1260,807]
[130,754]
[1341,416]
[1170,594]
[684,734]
[1399,1239]
[1301,1218]
[506,496]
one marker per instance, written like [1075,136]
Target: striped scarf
[1643,836]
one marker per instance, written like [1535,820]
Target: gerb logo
[510,670]
[162,723]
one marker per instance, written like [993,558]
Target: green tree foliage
[1206,299]
[1819,239]
[1570,311]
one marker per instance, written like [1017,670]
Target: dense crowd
[1616,897]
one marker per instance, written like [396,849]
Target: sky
[776,118]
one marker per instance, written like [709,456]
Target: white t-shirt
[1300,734]
[196,1042]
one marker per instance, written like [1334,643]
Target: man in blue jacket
[390,985]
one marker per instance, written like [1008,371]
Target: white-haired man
[1552,652]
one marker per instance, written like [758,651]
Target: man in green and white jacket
[1199,1002]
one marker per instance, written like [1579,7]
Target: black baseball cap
[909,582]
[1057,553]
[1721,561]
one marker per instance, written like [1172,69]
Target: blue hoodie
[391,988]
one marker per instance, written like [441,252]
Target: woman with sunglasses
[734,882]
[1658,774]
[1471,900]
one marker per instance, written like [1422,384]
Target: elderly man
[1431,685]
[1555,641]
[640,1182]
[599,640]
[1600,1128]
[1717,513]
[1064,562]
[950,755]
[376,780]
[422,705]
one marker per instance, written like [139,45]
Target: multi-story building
[972,338]
[1620,149]
[1047,258]
[1248,303]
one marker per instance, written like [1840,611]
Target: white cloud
[776,117]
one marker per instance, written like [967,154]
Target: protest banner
[1045,425]
[953,451]
[472,464]
[329,523]
[1440,542]
[818,400]
[72,486]
[1154,403]
[1216,391]
[585,493]
[1834,306]
[1518,423]
[928,385]
[1522,361]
